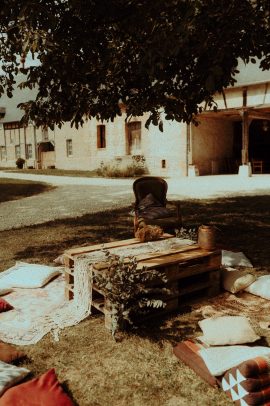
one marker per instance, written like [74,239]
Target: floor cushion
[24,275]
[244,390]
[5,291]
[235,280]
[4,305]
[10,375]
[44,390]
[227,330]
[230,258]
[220,359]
[261,287]
[188,352]
[9,353]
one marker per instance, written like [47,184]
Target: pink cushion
[45,390]
[4,305]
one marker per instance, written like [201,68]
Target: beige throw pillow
[261,287]
[227,330]
[235,280]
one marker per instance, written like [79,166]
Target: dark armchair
[151,204]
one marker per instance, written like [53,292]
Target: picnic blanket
[42,310]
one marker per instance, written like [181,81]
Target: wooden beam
[235,114]
[246,120]
[259,115]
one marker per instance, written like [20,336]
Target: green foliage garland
[129,290]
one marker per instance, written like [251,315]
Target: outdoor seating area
[194,276]
[125,284]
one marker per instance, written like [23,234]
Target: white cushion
[5,291]
[24,275]
[230,258]
[10,375]
[235,280]
[220,359]
[227,330]
[261,287]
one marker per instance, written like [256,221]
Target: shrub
[20,163]
[115,171]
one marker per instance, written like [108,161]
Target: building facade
[234,139]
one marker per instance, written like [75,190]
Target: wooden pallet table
[192,273]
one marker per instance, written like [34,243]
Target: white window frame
[17,151]
[29,151]
[69,147]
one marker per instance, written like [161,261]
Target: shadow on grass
[13,189]
[243,224]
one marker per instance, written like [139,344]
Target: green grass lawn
[139,370]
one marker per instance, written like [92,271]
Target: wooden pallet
[192,273]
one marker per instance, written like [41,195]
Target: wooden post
[245,136]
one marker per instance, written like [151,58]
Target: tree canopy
[149,56]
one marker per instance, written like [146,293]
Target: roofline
[249,84]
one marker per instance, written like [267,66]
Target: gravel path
[78,196]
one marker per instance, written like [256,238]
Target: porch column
[245,136]
[245,169]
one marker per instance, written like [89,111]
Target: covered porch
[250,140]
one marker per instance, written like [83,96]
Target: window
[163,163]
[45,134]
[3,152]
[69,147]
[101,136]
[12,129]
[12,126]
[29,151]
[134,138]
[17,151]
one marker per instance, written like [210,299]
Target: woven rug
[40,311]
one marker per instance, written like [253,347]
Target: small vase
[207,237]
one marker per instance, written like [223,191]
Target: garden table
[192,272]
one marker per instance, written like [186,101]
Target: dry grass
[140,369]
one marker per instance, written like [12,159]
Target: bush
[115,170]
[130,171]
[20,163]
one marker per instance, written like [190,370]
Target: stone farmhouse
[235,139]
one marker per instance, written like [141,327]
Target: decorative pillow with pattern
[244,390]
[10,375]
[45,390]
[4,305]
[254,367]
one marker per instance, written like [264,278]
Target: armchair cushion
[150,208]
